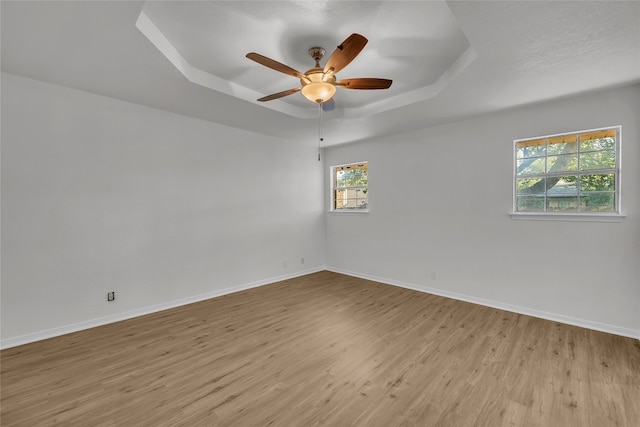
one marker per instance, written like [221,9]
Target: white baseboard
[92,323]
[596,326]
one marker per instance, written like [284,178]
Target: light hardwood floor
[325,349]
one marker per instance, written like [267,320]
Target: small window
[576,172]
[349,190]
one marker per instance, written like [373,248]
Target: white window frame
[613,216]
[333,188]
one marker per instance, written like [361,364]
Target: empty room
[340,213]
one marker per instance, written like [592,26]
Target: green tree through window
[350,187]
[575,172]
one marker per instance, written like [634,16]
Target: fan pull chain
[320,138]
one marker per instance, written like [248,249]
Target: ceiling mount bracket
[317,53]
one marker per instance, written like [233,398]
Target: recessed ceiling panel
[412,43]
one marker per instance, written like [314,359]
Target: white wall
[101,195]
[440,198]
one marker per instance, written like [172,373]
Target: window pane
[350,203]
[352,193]
[351,198]
[562,144]
[562,204]
[361,198]
[531,148]
[598,160]
[564,162]
[361,193]
[562,194]
[530,185]
[351,175]
[340,198]
[355,177]
[598,182]
[348,177]
[531,166]
[530,204]
[598,140]
[598,202]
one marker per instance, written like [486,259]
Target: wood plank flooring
[325,349]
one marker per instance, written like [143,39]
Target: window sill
[572,217]
[349,212]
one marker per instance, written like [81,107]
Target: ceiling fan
[319,83]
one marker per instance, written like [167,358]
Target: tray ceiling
[418,45]
[448,59]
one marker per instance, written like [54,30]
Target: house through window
[575,172]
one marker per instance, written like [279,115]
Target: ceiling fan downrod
[317,53]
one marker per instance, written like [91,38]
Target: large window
[576,172]
[349,187]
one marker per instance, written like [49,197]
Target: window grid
[576,188]
[349,187]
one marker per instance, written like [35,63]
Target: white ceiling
[416,45]
[447,60]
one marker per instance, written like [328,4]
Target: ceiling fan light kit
[319,84]
[318,91]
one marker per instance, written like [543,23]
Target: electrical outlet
[284,264]
[111,296]
[302,260]
[433,275]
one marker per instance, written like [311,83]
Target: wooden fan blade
[345,53]
[275,65]
[279,94]
[364,83]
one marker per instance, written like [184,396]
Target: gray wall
[440,200]
[101,195]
